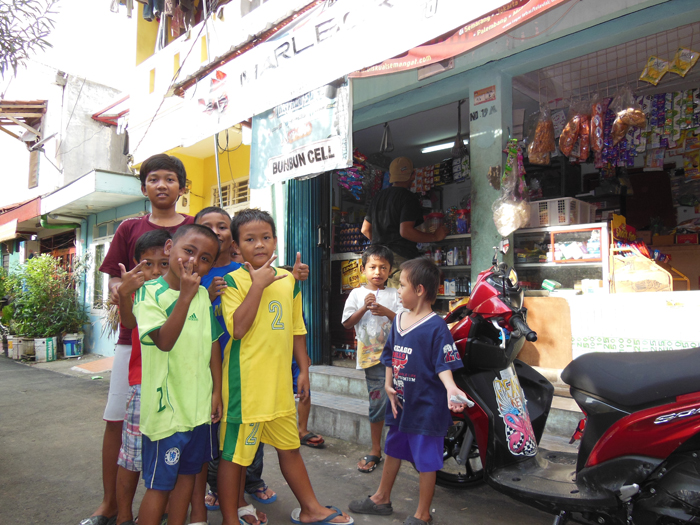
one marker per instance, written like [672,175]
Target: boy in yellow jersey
[262,309]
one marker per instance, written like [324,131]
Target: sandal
[248,510]
[307,440]
[99,520]
[376,460]
[213,499]
[367,506]
[260,491]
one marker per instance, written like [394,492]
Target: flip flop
[248,510]
[412,520]
[374,459]
[99,520]
[367,506]
[327,521]
[308,437]
[261,490]
[216,499]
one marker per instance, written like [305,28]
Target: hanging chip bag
[654,70]
[684,60]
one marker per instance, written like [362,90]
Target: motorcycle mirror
[504,245]
[494,261]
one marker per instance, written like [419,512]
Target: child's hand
[131,281]
[303,386]
[380,310]
[265,275]
[217,407]
[370,301]
[300,271]
[189,280]
[393,399]
[455,407]
[216,288]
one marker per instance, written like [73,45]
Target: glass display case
[575,256]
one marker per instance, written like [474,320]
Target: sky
[88,41]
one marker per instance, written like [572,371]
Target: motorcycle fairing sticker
[511,407]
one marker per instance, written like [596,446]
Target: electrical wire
[544,31]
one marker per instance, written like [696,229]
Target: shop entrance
[443,186]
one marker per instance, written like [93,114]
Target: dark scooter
[640,436]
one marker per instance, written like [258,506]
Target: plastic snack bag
[684,60]
[598,109]
[512,210]
[542,143]
[629,114]
[654,70]
[578,112]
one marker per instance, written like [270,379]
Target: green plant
[44,298]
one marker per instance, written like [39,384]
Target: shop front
[596,303]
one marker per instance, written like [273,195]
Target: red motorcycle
[640,438]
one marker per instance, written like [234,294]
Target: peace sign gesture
[189,280]
[131,280]
[265,275]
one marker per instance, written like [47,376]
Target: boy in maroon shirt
[163,180]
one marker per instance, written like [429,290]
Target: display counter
[568,327]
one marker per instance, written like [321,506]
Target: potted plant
[45,303]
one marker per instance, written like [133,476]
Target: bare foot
[322,516]
[262,518]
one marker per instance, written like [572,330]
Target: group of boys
[195,345]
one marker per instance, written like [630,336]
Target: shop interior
[650,177]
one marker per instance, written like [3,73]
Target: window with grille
[234,195]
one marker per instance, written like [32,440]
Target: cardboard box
[687,238]
[662,240]
[644,235]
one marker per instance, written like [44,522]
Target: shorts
[295,375]
[239,442]
[376,377]
[395,273]
[130,451]
[118,385]
[425,452]
[182,453]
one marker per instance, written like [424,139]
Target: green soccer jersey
[176,386]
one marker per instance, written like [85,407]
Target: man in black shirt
[393,216]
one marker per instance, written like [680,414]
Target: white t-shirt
[372,331]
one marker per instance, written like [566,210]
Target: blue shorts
[375,376]
[425,452]
[295,374]
[182,453]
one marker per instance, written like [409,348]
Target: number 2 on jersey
[251,439]
[276,308]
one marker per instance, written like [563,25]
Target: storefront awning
[93,193]
[8,230]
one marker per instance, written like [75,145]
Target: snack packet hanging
[684,59]
[654,70]
[571,131]
[543,141]
[598,109]
[629,113]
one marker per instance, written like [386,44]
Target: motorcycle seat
[635,378]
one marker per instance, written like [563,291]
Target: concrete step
[339,406]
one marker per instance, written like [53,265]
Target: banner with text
[325,43]
[508,17]
[304,137]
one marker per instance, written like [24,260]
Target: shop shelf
[553,264]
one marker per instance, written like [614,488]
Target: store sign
[465,38]
[306,136]
[611,323]
[324,44]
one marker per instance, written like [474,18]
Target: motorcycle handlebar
[523,328]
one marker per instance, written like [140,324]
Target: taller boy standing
[262,309]
[163,180]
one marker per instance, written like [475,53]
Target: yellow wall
[239,167]
[146,33]
[195,172]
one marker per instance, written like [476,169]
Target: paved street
[50,440]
